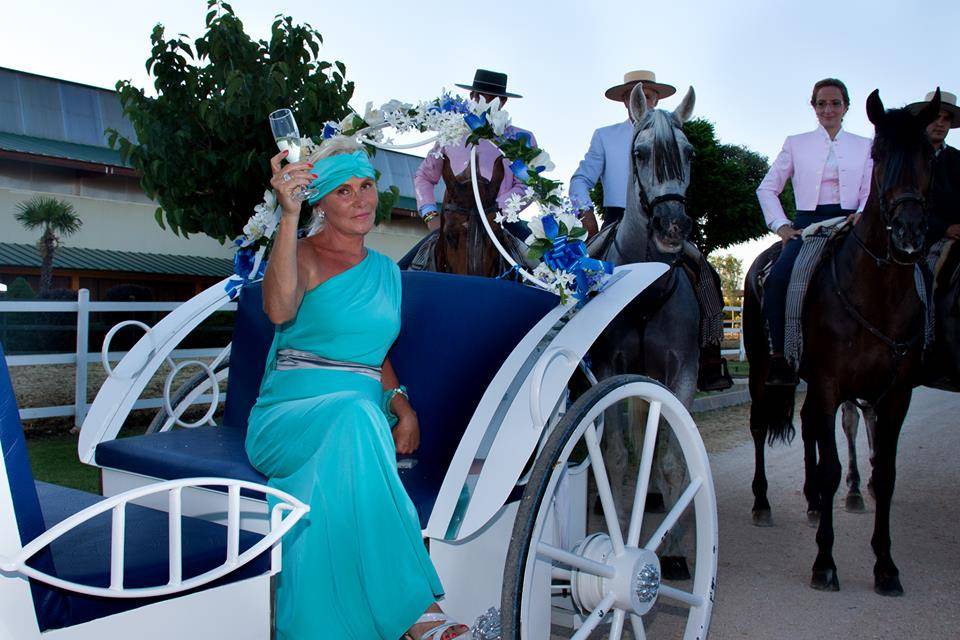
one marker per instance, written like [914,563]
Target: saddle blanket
[816,237]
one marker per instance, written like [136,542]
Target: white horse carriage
[509,482]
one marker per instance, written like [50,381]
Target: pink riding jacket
[803,159]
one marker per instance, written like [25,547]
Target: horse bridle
[648,204]
[887,212]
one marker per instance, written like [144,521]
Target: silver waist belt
[290,359]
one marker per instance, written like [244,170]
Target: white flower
[542,160]
[371,116]
[544,273]
[394,105]
[499,121]
[569,220]
[536,230]
[511,207]
[479,107]
[347,123]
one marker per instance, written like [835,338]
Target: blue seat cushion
[220,452]
[183,453]
[83,555]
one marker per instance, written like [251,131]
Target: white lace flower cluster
[261,224]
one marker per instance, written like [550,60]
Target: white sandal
[445,624]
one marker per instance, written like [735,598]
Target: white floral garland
[556,234]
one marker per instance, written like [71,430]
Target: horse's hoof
[762,518]
[888,586]
[813,518]
[825,580]
[674,568]
[855,503]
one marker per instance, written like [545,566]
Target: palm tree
[57,218]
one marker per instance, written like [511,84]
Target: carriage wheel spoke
[682,503]
[560,574]
[616,628]
[636,622]
[595,617]
[685,597]
[603,489]
[573,560]
[643,474]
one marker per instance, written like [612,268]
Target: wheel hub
[635,583]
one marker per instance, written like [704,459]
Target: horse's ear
[930,112]
[448,177]
[496,179]
[875,110]
[638,103]
[685,111]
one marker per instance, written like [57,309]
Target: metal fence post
[83,338]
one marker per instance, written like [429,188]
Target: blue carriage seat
[456,331]
[83,554]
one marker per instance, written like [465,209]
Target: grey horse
[658,334]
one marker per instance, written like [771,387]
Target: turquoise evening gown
[355,568]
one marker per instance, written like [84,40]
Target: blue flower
[474,121]
[330,129]
[521,170]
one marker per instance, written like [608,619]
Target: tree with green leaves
[730,270]
[57,218]
[722,197]
[203,143]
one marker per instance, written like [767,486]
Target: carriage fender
[510,418]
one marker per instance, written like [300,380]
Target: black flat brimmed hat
[948,102]
[491,83]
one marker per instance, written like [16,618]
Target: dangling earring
[320,215]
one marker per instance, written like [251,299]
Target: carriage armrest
[280,524]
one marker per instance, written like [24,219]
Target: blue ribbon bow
[571,256]
[243,261]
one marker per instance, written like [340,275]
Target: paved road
[764,572]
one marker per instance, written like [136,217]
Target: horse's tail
[773,408]
[777,412]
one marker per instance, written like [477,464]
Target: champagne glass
[285,132]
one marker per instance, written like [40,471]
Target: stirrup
[445,624]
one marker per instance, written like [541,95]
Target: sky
[751,62]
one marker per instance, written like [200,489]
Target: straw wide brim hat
[631,78]
[948,101]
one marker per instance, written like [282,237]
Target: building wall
[117,215]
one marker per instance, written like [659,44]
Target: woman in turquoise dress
[355,568]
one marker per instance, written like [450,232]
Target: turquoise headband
[335,170]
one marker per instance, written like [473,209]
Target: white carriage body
[469,528]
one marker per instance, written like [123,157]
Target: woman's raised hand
[288,180]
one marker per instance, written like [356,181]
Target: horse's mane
[667,163]
[897,141]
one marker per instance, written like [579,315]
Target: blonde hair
[334,146]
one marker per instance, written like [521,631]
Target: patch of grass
[54,459]
[738,368]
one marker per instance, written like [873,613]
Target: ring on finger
[285,178]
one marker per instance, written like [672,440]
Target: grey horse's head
[660,162]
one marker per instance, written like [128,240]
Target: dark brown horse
[863,328]
[462,245]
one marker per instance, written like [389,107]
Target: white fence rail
[83,307]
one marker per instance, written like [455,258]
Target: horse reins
[898,350]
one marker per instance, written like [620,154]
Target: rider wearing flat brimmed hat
[608,160]
[489,85]
[944,198]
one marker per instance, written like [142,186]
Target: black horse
[863,326]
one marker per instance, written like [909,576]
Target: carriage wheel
[162,417]
[573,588]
